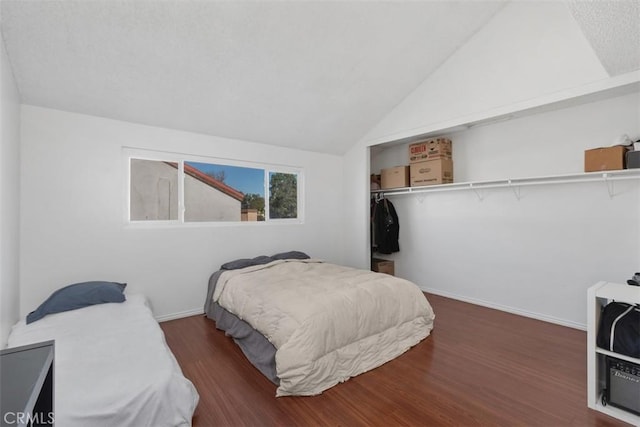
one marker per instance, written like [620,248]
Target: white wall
[550,143]
[503,252]
[527,50]
[537,255]
[355,209]
[9,197]
[73,201]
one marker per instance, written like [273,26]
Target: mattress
[112,367]
[326,322]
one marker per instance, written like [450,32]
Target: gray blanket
[260,352]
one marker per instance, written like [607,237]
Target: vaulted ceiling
[312,75]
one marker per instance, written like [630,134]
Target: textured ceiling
[315,75]
[613,29]
[311,75]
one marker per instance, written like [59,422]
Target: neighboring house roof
[210,181]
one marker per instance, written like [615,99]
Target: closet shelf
[607,177]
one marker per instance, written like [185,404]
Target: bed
[112,366]
[308,325]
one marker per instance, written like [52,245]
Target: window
[283,195]
[188,189]
[215,192]
[154,190]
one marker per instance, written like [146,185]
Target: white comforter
[112,367]
[327,322]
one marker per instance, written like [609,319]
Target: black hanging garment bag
[386,227]
[619,329]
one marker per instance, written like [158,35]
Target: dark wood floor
[479,367]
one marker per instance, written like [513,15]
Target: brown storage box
[375,182]
[394,177]
[604,159]
[382,266]
[437,148]
[432,172]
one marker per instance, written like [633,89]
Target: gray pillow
[79,295]
[262,259]
[291,255]
[245,262]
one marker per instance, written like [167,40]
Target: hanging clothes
[386,228]
[372,224]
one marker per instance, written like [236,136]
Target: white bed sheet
[112,367]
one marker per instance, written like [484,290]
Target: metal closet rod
[605,176]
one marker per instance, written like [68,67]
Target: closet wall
[537,255]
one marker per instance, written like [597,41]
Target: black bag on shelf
[619,329]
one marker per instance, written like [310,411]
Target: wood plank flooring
[479,367]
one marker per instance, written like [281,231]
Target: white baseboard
[180,315]
[508,309]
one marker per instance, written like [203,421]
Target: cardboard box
[604,159]
[633,159]
[437,148]
[394,177]
[375,182]
[431,172]
[382,266]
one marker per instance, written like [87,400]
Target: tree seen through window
[283,195]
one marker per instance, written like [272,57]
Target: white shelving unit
[598,296]
[607,177]
[599,90]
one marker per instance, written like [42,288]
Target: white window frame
[180,158]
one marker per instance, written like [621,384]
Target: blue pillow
[77,296]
